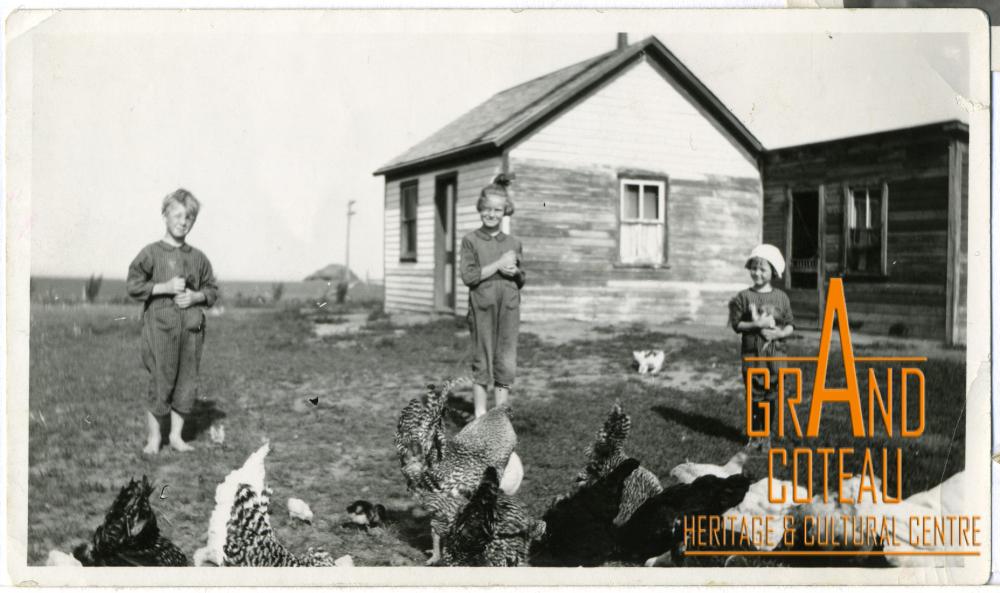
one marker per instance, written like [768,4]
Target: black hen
[607,452]
[657,526]
[129,535]
[580,527]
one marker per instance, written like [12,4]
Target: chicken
[728,541]
[431,461]
[579,528]
[757,504]
[362,513]
[433,464]
[490,529]
[58,558]
[129,535]
[607,452]
[250,541]
[239,529]
[299,509]
[943,500]
[688,471]
[513,475]
[657,526]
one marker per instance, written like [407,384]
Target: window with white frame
[642,216]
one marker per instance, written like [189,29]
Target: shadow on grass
[459,412]
[704,424]
[415,531]
[202,415]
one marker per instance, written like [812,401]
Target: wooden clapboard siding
[914,163]
[656,302]
[471,180]
[646,119]
[409,286]
[567,220]
[639,119]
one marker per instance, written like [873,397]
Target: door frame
[820,239]
[444,212]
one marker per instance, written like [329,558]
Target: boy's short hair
[757,258]
[184,198]
[497,188]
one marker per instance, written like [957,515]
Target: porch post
[953,287]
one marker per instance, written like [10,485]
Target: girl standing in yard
[491,268]
[175,283]
[762,315]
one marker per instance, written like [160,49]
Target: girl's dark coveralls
[752,343]
[172,337]
[494,307]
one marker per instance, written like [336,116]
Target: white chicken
[945,499]
[689,471]
[57,558]
[344,561]
[240,532]
[298,509]
[251,474]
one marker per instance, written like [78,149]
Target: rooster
[239,530]
[490,529]
[607,452]
[436,465]
[129,535]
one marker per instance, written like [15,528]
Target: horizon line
[84,278]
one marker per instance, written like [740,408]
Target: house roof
[952,128]
[510,114]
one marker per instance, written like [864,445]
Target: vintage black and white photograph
[394,293]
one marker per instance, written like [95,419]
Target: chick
[365,514]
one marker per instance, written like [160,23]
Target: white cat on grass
[649,361]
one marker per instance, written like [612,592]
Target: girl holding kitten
[762,315]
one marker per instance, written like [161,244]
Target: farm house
[887,212]
[638,194]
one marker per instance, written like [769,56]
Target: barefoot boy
[175,283]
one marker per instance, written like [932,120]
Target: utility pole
[347,256]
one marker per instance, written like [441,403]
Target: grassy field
[64,290]
[262,365]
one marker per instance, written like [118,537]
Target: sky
[275,127]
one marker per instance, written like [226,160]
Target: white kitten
[649,361]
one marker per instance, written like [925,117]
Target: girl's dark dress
[752,343]
[494,307]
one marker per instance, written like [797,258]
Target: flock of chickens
[616,511]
